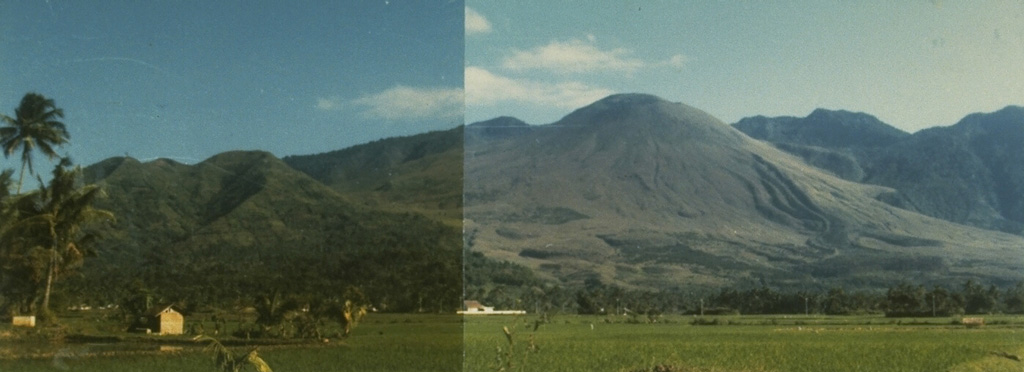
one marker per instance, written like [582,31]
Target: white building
[473,307]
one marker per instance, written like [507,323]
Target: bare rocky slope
[645,193]
[970,173]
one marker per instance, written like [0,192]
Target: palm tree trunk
[49,283]
[21,177]
[50,273]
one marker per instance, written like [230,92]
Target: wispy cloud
[120,59]
[676,61]
[476,23]
[407,103]
[486,88]
[329,103]
[573,56]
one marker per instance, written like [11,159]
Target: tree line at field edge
[506,285]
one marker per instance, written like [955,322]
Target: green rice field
[746,343]
[400,342]
[381,343]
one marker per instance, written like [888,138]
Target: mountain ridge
[246,222]
[634,175]
[636,191]
[422,172]
[967,173]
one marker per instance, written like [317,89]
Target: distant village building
[24,321]
[163,320]
[472,307]
[973,322]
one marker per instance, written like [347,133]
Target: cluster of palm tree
[286,316]
[44,234]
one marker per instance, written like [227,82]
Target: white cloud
[476,23]
[485,88]
[573,56]
[329,103]
[677,61]
[409,103]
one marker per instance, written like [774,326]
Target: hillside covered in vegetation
[245,223]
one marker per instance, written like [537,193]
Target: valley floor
[749,343]
[405,342]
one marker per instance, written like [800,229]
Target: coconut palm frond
[254,359]
[6,181]
[222,356]
[227,361]
[35,125]
[508,334]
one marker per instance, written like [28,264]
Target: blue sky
[189,79]
[913,64]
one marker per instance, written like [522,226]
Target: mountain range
[421,173]
[645,193]
[631,190]
[245,223]
[969,173]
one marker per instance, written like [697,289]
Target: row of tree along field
[903,300]
[508,286]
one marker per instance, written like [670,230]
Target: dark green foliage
[596,297]
[944,302]
[243,223]
[420,173]
[374,159]
[46,237]
[484,272]
[34,127]
[137,302]
[838,302]
[980,300]
[1013,299]
[907,300]
[271,310]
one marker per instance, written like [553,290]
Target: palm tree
[35,125]
[5,184]
[228,361]
[52,220]
[272,311]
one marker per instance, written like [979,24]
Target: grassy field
[383,342]
[399,342]
[745,343]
